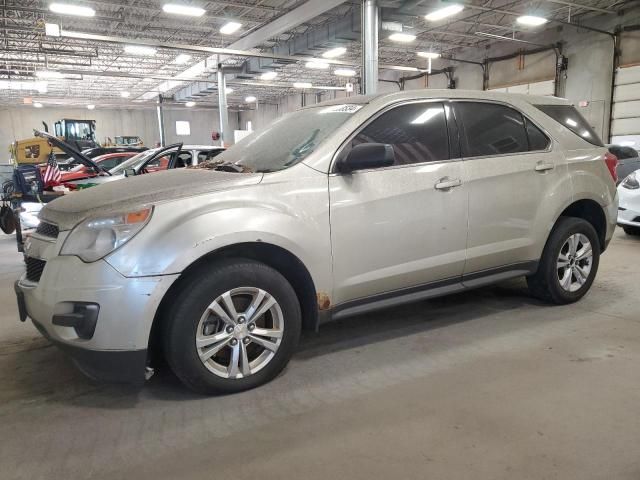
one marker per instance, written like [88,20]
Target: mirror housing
[366,156]
[129,172]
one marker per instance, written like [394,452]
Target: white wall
[19,122]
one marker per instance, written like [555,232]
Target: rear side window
[417,132]
[568,116]
[537,139]
[491,129]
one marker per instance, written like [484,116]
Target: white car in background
[629,207]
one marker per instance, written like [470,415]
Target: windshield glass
[134,162]
[288,140]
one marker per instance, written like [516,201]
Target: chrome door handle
[543,167]
[447,183]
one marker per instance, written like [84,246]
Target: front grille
[47,229]
[35,267]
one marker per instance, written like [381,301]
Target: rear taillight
[612,163]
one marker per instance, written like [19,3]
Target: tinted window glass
[537,139]
[571,118]
[183,160]
[417,132]
[491,129]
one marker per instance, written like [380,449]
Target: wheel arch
[592,212]
[278,258]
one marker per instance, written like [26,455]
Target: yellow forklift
[81,134]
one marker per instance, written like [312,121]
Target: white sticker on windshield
[347,108]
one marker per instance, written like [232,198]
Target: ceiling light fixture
[531,20]
[334,52]
[317,65]
[48,74]
[190,104]
[250,99]
[268,75]
[344,72]
[228,90]
[402,37]
[148,80]
[444,12]
[430,55]
[139,50]
[125,94]
[183,10]
[182,59]
[77,10]
[90,107]
[230,27]
[302,85]
[52,29]
[37,105]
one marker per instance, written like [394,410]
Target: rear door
[510,167]
[405,225]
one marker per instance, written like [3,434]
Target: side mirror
[129,172]
[366,156]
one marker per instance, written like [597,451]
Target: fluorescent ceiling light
[230,27]
[52,29]
[531,20]
[317,65]
[190,104]
[48,74]
[148,80]
[402,37]
[269,75]
[344,72]
[37,105]
[90,107]
[228,90]
[23,85]
[302,85]
[444,12]
[182,58]
[334,52]
[430,55]
[139,50]
[66,9]
[250,99]
[183,10]
[125,94]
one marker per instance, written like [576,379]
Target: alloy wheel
[574,262]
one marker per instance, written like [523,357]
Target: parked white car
[629,209]
[335,210]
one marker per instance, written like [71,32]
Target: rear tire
[629,230]
[569,262]
[244,311]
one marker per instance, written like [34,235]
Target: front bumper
[629,207]
[115,348]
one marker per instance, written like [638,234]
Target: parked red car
[107,161]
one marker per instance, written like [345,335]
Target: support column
[161,120]
[225,135]
[369,46]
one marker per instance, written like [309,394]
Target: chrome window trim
[372,118]
[552,140]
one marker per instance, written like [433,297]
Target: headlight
[96,237]
[631,182]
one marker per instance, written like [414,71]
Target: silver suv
[334,210]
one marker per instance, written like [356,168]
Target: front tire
[629,230]
[234,327]
[569,262]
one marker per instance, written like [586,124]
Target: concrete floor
[488,384]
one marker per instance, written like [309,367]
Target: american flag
[52,174]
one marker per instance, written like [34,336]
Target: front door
[405,225]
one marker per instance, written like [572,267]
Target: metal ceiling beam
[586,7]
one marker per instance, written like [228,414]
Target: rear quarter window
[570,118]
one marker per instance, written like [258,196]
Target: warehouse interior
[489,383]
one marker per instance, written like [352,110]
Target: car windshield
[134,162]
[288,140]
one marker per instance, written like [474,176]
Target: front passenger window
[417,132]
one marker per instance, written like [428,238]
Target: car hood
[133,192]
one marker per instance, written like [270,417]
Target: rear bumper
[119,366]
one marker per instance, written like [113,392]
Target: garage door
[625,128]
[535,88]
